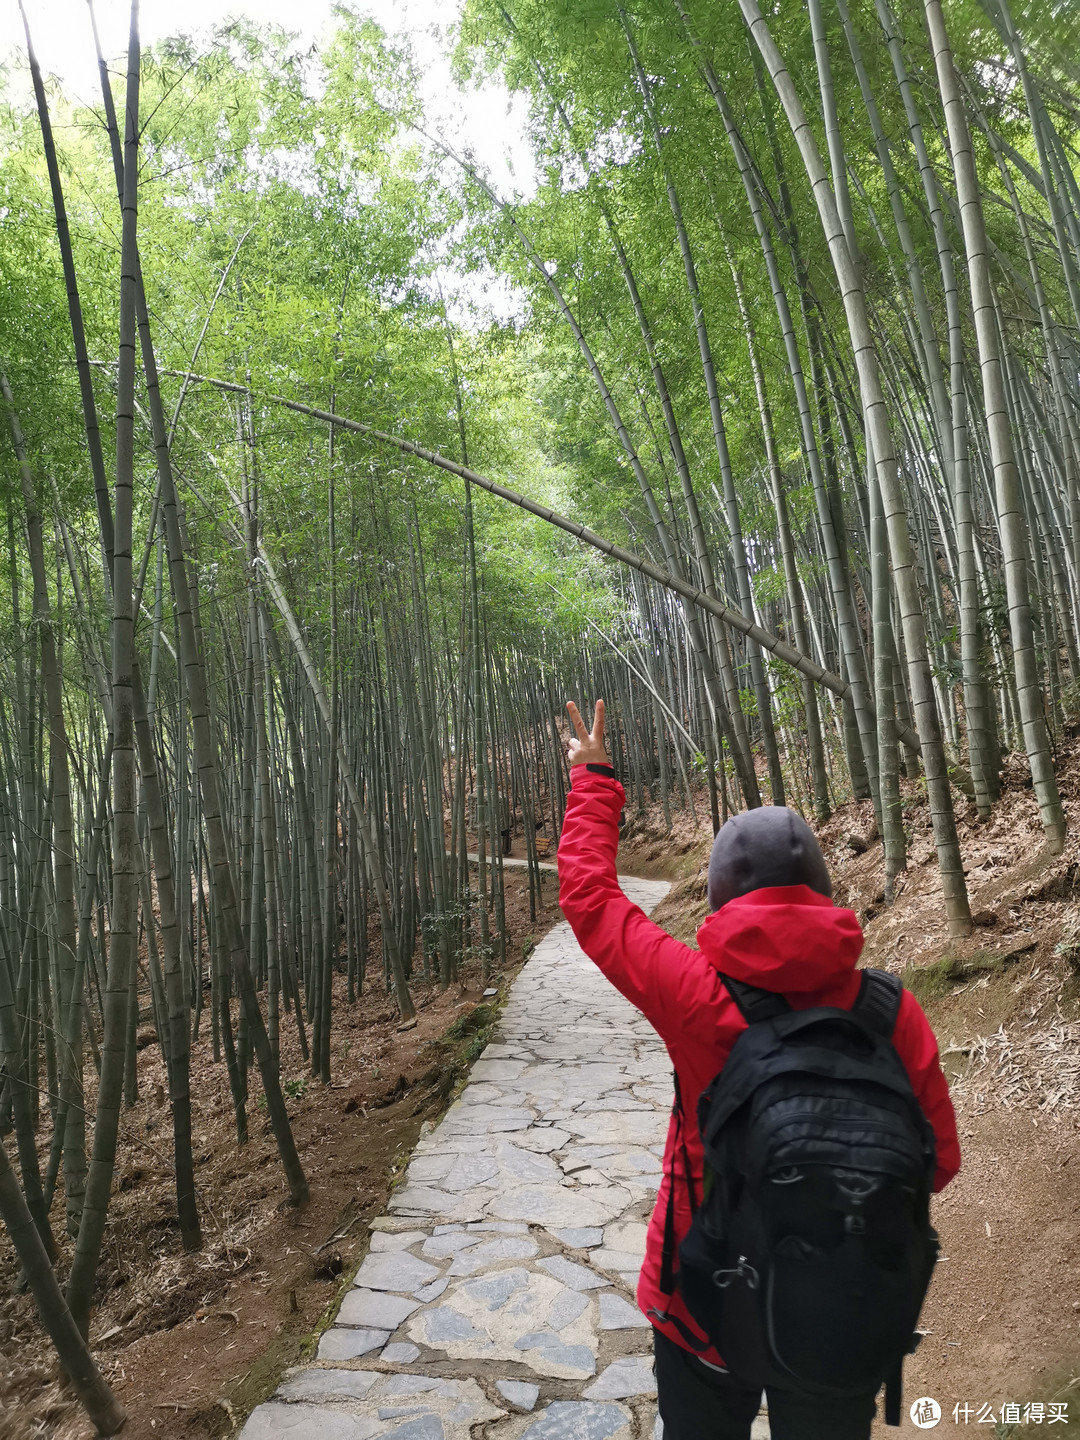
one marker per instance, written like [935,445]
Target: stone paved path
[497,1299]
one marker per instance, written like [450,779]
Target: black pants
[698,1402]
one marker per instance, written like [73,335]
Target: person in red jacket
[774,925]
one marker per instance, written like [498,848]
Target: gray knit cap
[769,846]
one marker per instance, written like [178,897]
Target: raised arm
[662,977]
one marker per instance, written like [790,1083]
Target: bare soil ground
[191,1342]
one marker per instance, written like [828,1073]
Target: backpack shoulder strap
[754,1003]
[878,1001]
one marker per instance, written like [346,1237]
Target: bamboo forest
[335,463]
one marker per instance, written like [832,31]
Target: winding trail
[497,1298]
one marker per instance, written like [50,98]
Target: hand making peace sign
[588,748]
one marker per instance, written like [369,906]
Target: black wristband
[608,770]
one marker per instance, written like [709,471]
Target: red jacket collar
[783,937]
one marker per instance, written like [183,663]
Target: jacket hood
[786,938]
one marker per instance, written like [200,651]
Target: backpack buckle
[743,1271]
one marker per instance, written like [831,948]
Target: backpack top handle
[877,1003]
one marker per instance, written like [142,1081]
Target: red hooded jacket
[786,938]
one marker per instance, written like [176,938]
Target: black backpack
[811,1252]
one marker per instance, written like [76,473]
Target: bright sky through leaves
[485,120]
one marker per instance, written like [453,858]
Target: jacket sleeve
[917,1046]
[655,972]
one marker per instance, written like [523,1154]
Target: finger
[598,723]
[576,721]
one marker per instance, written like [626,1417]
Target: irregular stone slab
[641,1185]
[582,1157]
[616,1314]
[481,1119]
[432,1291]
[542,1140]
[433,1409]
[572,1361]
[416,1385]
[326,1384]
[455,1145]
[586,1175]
[491,1253]
[400,1353]
[518,1394]
[508,1316]
[499,1227]
[626,1235]
[522,1166]
[566,1309]
[556,1205]
[569,1273]
[477,1094]
[468,1171]
[580,1238]
[495,1290]
[493,1070]
[629,1375]
[629,1128]
[580,1420]
[441,1247]
[400,1272]
[375,1309]
[409,1407]
[600,1075]
[341,1343]
[445,1326]
[616,1102]
[616,1260]
[424,1427]
[307,1422]
[429,1169]
[385,1241]
[643,1163]
[424,1200]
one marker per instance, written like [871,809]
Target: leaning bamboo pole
[91,1387]
[733,619]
